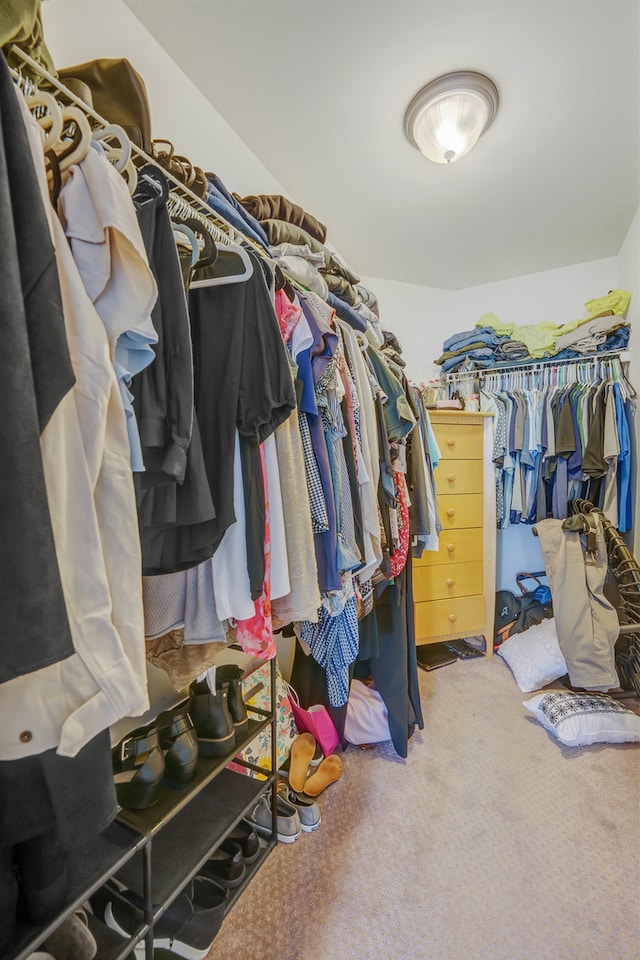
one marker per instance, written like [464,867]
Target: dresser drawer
[456,546]
[457,511]
[459,617]
[459,441]
[447,580]
[459,476]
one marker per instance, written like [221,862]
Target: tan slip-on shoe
[302,751]
[328,772]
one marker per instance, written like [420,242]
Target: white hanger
[182,230]
[229,258]
[51,121]
[118,153]
[232,265]
[82,138]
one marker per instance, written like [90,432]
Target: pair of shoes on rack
[73,939]
[220,715]
[188,926]
[225,865]
[329,770]
[245,835]
[164,751]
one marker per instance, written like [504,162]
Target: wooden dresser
[454,588]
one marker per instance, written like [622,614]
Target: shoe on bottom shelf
[225,865]
[72,939]
[307,809]
[188,926]
[244,834]
[288,821]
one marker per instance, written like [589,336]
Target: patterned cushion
[578,719]
[535,657]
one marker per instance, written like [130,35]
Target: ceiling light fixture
[448,116]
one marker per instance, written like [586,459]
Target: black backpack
[515,614]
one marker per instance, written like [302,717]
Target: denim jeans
[218,203]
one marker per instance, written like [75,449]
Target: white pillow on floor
[535,657]
[579,719]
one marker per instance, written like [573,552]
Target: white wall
[417,315]
[556,296]
[80,30]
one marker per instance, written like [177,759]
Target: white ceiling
[318,90]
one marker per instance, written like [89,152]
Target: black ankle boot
[179,743]
[212,719]
[138,768]
[232,674]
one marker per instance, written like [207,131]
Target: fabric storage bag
[367,718]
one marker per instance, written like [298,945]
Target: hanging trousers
[586,623]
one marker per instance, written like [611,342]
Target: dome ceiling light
[450,114]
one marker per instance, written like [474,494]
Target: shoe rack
[156,852]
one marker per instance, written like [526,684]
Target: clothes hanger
[232,263]
[208,252]
[130,174]
[74,149]
[116,144]
[51,121]
[182,232]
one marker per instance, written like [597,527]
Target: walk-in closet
[319,480]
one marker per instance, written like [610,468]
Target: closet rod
[534,366]
[142,158]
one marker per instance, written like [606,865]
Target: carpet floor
[490,842]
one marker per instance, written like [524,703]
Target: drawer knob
[451,582]
[451,547]
[451,512]
[451,477]
[451,442]
[452,617]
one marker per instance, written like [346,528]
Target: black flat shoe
[225,865]
[244,834]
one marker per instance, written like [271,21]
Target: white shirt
[101,224]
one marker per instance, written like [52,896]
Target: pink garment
[255,635]
[288,314]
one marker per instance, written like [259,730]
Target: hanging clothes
[90,492]
[36,375]
[560,434]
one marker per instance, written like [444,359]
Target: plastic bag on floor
[367,717]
